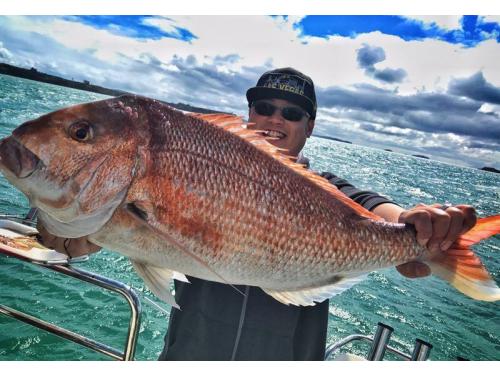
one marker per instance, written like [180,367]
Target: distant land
[35,75]
[332,138]
[490,169]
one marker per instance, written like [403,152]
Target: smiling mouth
[274,134]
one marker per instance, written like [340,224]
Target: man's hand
[72,247]
[437,227]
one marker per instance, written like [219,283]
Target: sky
[426,85]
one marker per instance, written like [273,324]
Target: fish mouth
[274,134]
[17,159]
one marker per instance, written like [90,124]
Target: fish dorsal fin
[309,297]
[158,280]
[220,119]
[244,130]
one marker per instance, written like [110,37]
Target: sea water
[426,308]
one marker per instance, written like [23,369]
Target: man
[216,322]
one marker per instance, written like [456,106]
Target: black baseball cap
[288,84]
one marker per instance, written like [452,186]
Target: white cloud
[5,54]
[165,24]
[490,108]
[443,22]
[495,19]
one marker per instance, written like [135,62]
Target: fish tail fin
[463,269]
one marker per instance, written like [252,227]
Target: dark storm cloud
[426,112]
[475,124]
[380,129]
[207,84]
[390,75]
[370,98]
[368,127]
[188,80]
[492,146]
[368,56]
[475,87]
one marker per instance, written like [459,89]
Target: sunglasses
[288,113]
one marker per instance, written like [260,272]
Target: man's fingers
[414,269]
[49,240]
[440,227]
[421,220]
[455,227]
[72,247]
[76,247]
[81,246]
[469,217]
[44,237]
[436,228]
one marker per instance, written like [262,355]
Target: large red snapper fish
[206,196]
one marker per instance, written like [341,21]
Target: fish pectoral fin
[309,296]
[158,280]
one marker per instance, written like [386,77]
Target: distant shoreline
[34,75]
[332,138]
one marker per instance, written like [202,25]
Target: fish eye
[81,131]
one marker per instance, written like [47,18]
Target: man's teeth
[275,134]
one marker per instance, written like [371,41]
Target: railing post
[421,351]
[380,341]
[30,216]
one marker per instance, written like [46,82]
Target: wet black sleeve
[367,199]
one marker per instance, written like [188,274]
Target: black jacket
[218,323]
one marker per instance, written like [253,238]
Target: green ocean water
[426,308]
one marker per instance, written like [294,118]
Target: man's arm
[436,229]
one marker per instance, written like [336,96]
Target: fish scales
[204,196]
[260,204]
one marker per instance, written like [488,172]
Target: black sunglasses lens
[292,114]
[288,113]
[264,109]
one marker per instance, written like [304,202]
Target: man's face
[292,134]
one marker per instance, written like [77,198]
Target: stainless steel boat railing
[112,285]
[379,345]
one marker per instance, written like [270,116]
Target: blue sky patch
[132,26]
[472,31]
